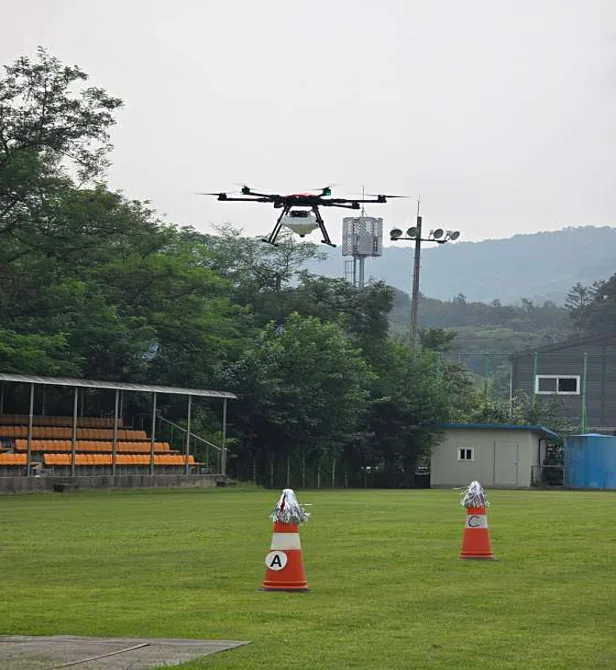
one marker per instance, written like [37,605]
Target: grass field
[388,590]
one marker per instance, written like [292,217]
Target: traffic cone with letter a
[284,563]
[476,539]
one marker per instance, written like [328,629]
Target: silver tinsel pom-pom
[474,496]
[288,509]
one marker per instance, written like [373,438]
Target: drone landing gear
[274,234]
[285,210]
[321,223]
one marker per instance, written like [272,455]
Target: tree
[408,402]
[597,314]
[36,354]
[41,117]
[436,339]
[362,312]
[303,388]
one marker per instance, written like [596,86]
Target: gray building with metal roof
[578,377]
[499,455]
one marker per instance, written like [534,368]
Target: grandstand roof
[116,386]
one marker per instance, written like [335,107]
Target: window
[557,384]
[466,454]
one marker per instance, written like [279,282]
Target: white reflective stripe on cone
[476,521]
[285,541]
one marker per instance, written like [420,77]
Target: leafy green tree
[303,389]
[436,339]
[43,117]
[593,308]
[408,403]
[363,312]
[260,276]
[35,354]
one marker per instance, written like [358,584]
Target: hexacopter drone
[300,211]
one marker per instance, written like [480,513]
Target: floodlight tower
[415,233]
[362,237]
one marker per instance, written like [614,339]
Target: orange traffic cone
[284,562]
[476,539]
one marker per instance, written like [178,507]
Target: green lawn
[388,590]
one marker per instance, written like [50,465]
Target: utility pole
[415,288]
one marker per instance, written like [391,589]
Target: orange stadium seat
[12,459]
[90,459]
[91,446]
[38,420]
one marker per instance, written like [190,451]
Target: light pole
[414,233]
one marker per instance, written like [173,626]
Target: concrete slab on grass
[25,652]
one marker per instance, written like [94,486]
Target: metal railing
[169,431]
[192,435]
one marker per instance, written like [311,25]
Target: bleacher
[51,448]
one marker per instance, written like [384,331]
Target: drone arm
[268,196]
[231,199]
[345,205]
[380,199]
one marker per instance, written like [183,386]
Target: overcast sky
[500,113]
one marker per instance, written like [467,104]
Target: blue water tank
[590,461]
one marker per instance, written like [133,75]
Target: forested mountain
[539,267]
[494,327]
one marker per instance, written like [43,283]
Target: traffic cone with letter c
[476,538]
[284,563]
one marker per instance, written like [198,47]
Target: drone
[300,211]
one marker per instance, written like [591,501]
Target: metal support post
[415,288]
[30,423]
[223,454]
[187,434]
[74,433]
[583,417]
[153,433]
[510,390]
[362,260]
[114,445]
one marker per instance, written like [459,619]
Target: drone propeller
[328,187]
[385,195]
[244,188]
[199,193]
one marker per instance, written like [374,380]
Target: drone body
[300,211]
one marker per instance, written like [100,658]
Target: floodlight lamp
[395,233]
[413,232]
[437,234]
[453,235]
